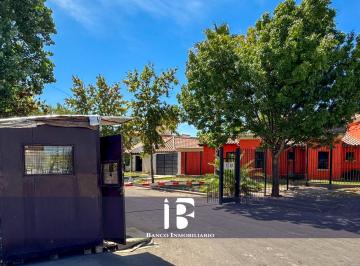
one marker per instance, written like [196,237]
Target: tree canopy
[292,78]
[100,99]
[25,66]
[150,110]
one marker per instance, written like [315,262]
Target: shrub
[247,182]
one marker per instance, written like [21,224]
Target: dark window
[230,156]
[323,160]
[349,156]
[48,160]
[291,155]
[259,159]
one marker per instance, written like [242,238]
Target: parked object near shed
[59,183]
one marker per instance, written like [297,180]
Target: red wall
[315,173]
[249,146]
[192,162]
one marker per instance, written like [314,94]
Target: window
[230,156]
[323,160]
[349,156]
[291,155]
[48,160]
[259,159]
[110,173]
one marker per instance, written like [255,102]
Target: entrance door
[112,182]
[138,164]
[166,164]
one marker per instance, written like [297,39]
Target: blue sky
[112,37]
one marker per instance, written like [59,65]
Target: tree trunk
[275,175]
[152,168]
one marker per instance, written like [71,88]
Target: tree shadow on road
[109,259]
[318,207]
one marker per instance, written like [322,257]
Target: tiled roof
[173,143]
[351,140]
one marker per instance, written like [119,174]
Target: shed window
[291,155]
[323,160]
[349,156]
[48,160]
[259,159]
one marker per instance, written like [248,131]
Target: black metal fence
[247,173]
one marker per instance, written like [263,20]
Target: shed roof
[88,121]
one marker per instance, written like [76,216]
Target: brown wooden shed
[61,185]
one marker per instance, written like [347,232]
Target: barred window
[259,159]
[110,173]
[48,160]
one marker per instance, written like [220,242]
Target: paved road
[278,217]
[309,213]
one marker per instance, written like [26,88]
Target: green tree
[293,78]
[58,109]
[100,99]
[25,31]
[152,114]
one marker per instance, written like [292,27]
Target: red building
[192,158]
[304,160]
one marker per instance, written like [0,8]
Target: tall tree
[25,66]
[292,78]
[152,114]
[100,99]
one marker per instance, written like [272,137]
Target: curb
[179,191]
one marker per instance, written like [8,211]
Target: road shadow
[108,259]
[317,207]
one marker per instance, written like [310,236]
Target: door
[138,164]
[166,164]
[113,202]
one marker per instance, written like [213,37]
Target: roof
[173,143]
[351,140]
[89,121]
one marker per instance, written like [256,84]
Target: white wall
[146,164]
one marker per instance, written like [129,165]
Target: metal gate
[241,176]
[247,173]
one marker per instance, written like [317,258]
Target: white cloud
[78,9]
[90,12]
[182,11]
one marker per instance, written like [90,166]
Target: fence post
[221,175]
[331,166]
[237,174]
[307,166]
[287,169]
[265,174]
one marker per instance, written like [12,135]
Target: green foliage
[248,184]
[100,99]
[292,78]
[152,114]
[57,109]
[25,30]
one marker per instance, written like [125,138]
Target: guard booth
[61,185]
